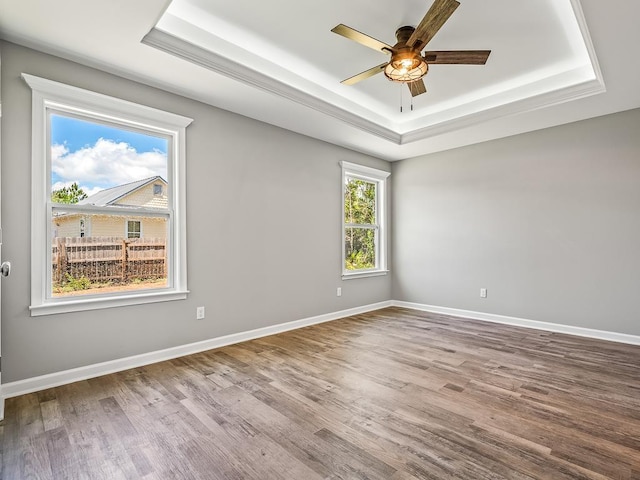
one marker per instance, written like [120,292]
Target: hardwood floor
[394,394]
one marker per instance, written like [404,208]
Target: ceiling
[552,62]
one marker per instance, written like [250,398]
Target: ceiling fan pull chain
[400,98]
[412,103]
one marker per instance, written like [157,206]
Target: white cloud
[105,164]
[91,191]
[58,151]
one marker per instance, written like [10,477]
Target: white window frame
[126,227]
[48,95]
[379,177]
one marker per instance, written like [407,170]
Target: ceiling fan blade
[364,75]
[435,18]
[417,88]
[362,38]
[459,57]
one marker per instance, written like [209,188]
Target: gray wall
[263,213]
[548,222]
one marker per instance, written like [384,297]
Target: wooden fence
[108,259]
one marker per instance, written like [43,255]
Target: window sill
[84,304]
[369,273]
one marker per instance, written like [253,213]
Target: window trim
[379,177]
[126,227]
[50,95]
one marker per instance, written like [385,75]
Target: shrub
[73,284]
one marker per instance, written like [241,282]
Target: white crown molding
[586,37]
[34,384]
[523,322]
[224,66]
[574,92]
[490,108]
[548,99]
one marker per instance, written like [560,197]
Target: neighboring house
[149,192]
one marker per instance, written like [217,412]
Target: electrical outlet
[199,313]
[339,292]
[483,293]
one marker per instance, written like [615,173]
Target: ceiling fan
[407,65]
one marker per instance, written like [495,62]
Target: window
[98,161]
[364,221]
[133,229]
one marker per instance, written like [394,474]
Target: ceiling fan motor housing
[403,34]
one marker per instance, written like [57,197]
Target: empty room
[389,240]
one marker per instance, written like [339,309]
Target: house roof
[111,195]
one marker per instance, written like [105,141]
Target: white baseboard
[34,384]
[523,322]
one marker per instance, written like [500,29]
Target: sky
[98,156]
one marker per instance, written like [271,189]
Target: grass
[83,286]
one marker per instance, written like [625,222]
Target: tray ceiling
[279,62]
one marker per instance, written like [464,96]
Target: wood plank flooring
[394,394]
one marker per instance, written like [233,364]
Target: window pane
[105,165]
[133,229]
[360,250]
[359,201]
[104,260]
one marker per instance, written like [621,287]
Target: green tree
[360,220]
[71,194]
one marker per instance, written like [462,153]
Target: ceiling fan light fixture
[405,67]
[407,64]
